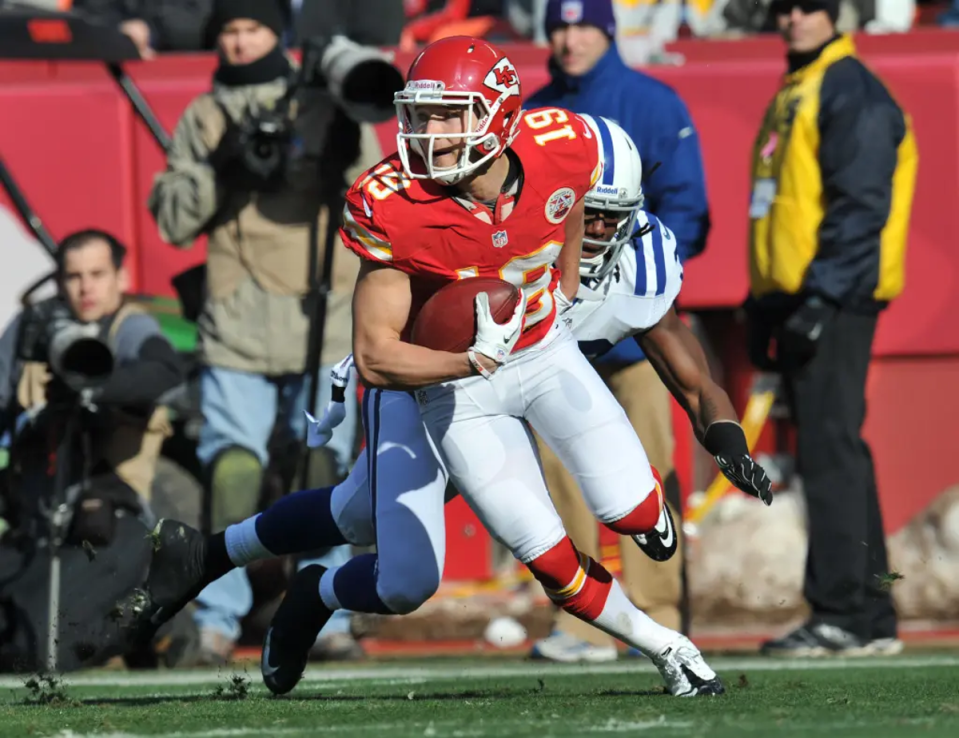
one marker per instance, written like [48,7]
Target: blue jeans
[239,409]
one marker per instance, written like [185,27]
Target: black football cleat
[293,631]
[660,543]
[177,575]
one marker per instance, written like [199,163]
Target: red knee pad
[643,517]
[573,580]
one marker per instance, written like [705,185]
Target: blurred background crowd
[247,362]
[644,26]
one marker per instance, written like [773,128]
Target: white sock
[326,589]
[243,544]
[623,620]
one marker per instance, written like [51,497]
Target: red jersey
[423,229]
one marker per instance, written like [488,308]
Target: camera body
[76,352]
[265,141]
[361,80]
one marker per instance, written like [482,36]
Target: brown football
[447,321]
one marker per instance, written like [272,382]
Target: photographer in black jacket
[88,346]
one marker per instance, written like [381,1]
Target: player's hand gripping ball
[447,321]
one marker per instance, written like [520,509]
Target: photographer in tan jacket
[251,172]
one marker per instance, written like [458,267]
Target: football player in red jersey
[478,187]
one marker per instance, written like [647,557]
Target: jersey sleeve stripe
[377,247]
[650,258]
[659,257]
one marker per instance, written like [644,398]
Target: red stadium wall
[83,159]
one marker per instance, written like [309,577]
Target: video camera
[360,79]
[76,352]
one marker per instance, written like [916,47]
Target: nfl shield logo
[500,239]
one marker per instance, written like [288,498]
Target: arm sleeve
[659,273]
[362,231]
[185,197]
[146,365]
[676,190]
[860,131]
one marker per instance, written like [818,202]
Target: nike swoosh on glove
[496,340]
[743,472]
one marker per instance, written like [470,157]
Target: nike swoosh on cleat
[667,536]
[265,666]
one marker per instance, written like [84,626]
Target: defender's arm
[679,360]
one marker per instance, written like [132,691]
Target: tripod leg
[53,608]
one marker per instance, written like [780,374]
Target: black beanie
[830,6]
[270,13]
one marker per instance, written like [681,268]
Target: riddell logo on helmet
[608,190]
[425,85]
[503,77]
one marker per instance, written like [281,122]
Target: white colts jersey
[634,296]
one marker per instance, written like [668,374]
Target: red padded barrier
[69,146]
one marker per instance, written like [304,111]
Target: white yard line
[661,726]
[388,674]
[429,728]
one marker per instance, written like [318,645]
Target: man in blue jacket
[588,76]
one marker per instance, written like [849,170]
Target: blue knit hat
[597,13]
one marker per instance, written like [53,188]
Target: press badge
[764,192]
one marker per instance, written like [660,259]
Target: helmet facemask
[480,146]
[599,264]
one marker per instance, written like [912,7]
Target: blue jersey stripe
[609,165]
[640,266]
[659,257]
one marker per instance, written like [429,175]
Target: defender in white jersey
[394,496]
[633,295]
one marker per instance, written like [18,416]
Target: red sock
[643,517]
[573,580]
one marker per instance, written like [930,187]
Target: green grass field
[907,695]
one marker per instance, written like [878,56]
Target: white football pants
[395,496]
[482,432]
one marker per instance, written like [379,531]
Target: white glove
[341,372]
[583,294]
[496,340]
[319,432]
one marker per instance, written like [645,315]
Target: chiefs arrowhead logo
[503,77]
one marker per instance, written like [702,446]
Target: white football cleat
[685,671]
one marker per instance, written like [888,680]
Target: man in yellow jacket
[834,170]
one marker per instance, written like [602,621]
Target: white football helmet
[618,190]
